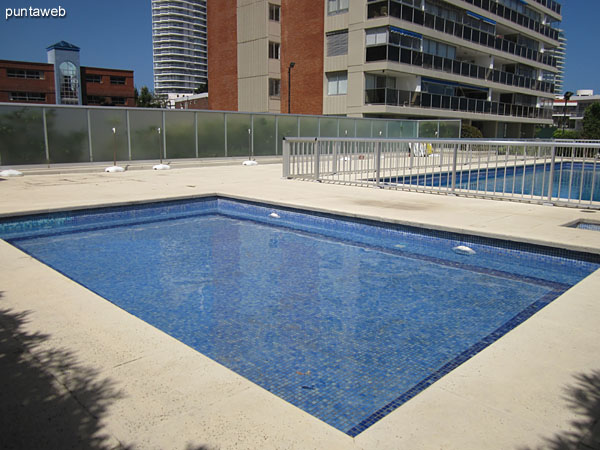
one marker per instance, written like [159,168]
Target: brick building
[63,81]
[491,63]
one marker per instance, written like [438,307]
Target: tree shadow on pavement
[37,410]
[583,398]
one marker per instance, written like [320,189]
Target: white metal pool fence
[555,172]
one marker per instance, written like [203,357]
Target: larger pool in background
[344,318]
[570,180]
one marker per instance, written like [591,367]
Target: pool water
[570,180]
[345,319]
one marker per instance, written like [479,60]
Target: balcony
[396,97]
[388,52]
[516,17]
[551,5]
[419,17]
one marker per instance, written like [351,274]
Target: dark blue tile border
[454,363]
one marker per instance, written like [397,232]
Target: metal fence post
[196,132]
[45,124]
[286,158]
[454,158]
[127,122]
[334,162]
[89,127]
[551,178]
[164,136]
[317,154]
[378,163]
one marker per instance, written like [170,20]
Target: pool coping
[509,395]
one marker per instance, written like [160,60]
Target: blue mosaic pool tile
[344,318]
[588,226]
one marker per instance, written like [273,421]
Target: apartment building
[569,113]
[179,46]
[488,62]
[560,53]
[63,81]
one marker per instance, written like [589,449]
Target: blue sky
[117,34]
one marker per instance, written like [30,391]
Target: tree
[470,132]
[591,122]
[566,134]
[202,88]
[144,99]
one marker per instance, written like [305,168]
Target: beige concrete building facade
[490,63]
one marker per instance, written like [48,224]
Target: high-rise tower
[179,45]
[560,53]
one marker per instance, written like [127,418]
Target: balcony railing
[550,4]
[427,61]
[419,17]
[515,17]
[396,97]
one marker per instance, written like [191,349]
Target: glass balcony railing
[396,97]
[515,17]
[550,4]
[386,52]
[419,17]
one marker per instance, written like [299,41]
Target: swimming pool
[346,319]
[571,180]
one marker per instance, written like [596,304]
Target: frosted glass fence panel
[329,127]
[22,135]
[449,129]
[181,140]
[238,136]
[68,138]
[379,129]
[402,129]
[104,141]
[309,126]
[211,134]
[363,128]
[146,141]
[64,134]
[287,127]
[264,136]
[347,127]
[428,128]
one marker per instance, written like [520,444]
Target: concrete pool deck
[83,373]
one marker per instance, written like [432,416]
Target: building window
[24,73]
[274,12]
[439,49]
[337,43]
[93,78]
[118,100]
[337,83]
[27,97]
[117,80]
[376,36]
[274,87]
[95,100]
[69,83]
[274,50]
[337,6]
[405,39]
